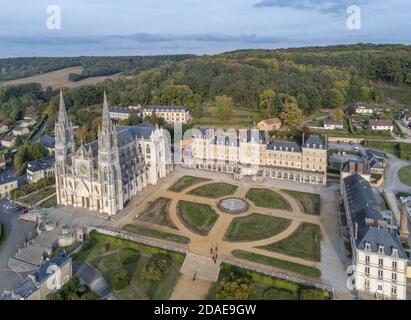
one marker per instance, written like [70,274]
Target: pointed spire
[106,113]
[62,109]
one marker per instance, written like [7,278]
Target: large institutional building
[250,152]
[379,258]
[104,174]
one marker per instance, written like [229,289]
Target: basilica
[105,174]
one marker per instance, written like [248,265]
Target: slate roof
[284,146]
[42,273]
[382,123]
[314,142]
[24,291]
[127,134]
[41,164]
[362,207]
[166,107]
[366,167]
[120,110]
[48,141]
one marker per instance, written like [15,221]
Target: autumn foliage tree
[224,106]
[292,115]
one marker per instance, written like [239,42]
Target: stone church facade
[105,174]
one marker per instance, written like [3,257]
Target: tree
[177,95]
[338,114]
[81,133]
[267,100]
[155,270]
[235,288]
[224,107]
[120,279]
[292,115]
[334,98]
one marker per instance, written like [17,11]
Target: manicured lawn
[277,263]
[103,252]
[34,198]
[215,190]
[199,218]
[185,182]
[49,203]
[304,243]
[405,175]
[268,199]
[255,227]
[156,234]
[269,288]
[310,203]
[157,212]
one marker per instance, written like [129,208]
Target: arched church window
[140,149]
[148,150]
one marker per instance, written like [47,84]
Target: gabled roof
[364,214]
[126,134]
[314,142]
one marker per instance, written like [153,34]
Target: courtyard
[281,229]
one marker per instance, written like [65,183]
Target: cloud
[323,6]
[146,38]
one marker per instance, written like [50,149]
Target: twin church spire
[106,134]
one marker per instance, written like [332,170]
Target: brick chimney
[404,233]
[352,167]
[360,167]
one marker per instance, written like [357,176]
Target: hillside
[60,79]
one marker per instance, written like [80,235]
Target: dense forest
[267,82]
[16,68]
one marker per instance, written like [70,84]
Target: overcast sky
[140,27]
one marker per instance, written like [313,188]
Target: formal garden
[199,218]
[405,175]
[185,182]
[304,243]
[266,198]
[310,203]
[214,190]
[157,213]
[255,227]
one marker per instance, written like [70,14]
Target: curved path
[201,245]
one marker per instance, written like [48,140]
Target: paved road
[39,132]
[17,232]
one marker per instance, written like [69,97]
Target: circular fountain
[233,205]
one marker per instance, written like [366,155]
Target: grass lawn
[268,199]
[304,243]
[103,252]
[34,198]
[310,203]
[157,212]
[156,234]
[215,190]
[255,227]
[199,218]
[405,175]
[279,264]
[269,288]
[49,203]
[185,182]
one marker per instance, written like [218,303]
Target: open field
[266,198]
[199,218]
[185,182]
[277,263]
[215,190]
[59,79]
[157,212]
[107,255]
[304,243]
[310,203]
[255,227]
[155,234]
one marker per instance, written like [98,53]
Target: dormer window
[395,252]
[381,249]
[367,246]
